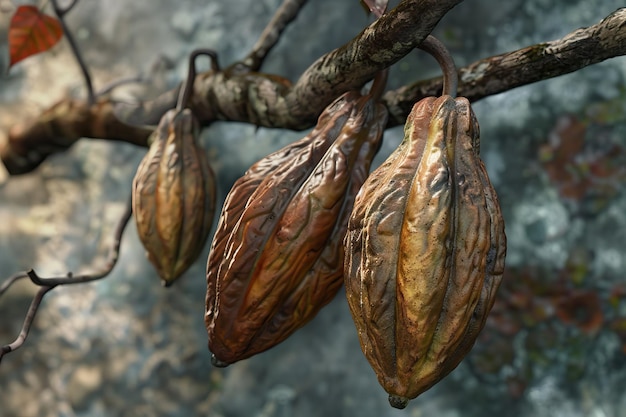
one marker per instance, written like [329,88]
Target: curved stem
[28,322]
[110,263]
[11,280]
[187,90]
[439,51]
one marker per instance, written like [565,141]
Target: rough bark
[496,74]
[239,94]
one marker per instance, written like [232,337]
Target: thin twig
[61,12]
[109,265]
[11,280]
[285,14]
[28,322]
[47,284]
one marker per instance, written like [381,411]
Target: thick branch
[500,73]
[269,100]
[380,45]
[149,113]
[60,127]
[236,95]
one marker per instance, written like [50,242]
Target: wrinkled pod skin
[277,255]
[174,196]
[425,251]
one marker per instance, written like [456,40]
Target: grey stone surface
[125,346]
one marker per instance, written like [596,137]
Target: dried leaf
[32,32]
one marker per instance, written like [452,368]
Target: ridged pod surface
[425,251]
[277,255]
[174,196]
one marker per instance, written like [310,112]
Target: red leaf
[377,7]
[31,32]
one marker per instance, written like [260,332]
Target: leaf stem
[61,12]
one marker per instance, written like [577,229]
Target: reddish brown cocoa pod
[277,255]
[174,196]
[425,251]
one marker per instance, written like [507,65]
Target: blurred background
[555,344]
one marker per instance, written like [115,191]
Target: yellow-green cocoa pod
[277,254]
[425,251]
[174,196]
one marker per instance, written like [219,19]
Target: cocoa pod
[425,251]
[174,195]
[277,255]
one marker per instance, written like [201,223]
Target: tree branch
[380,45]
[47,284]
[60,127]
[271,101]
[28,322]
[496,74]
[285,14]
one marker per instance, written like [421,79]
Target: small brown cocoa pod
[425,251]
[277,254]
[174,196]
